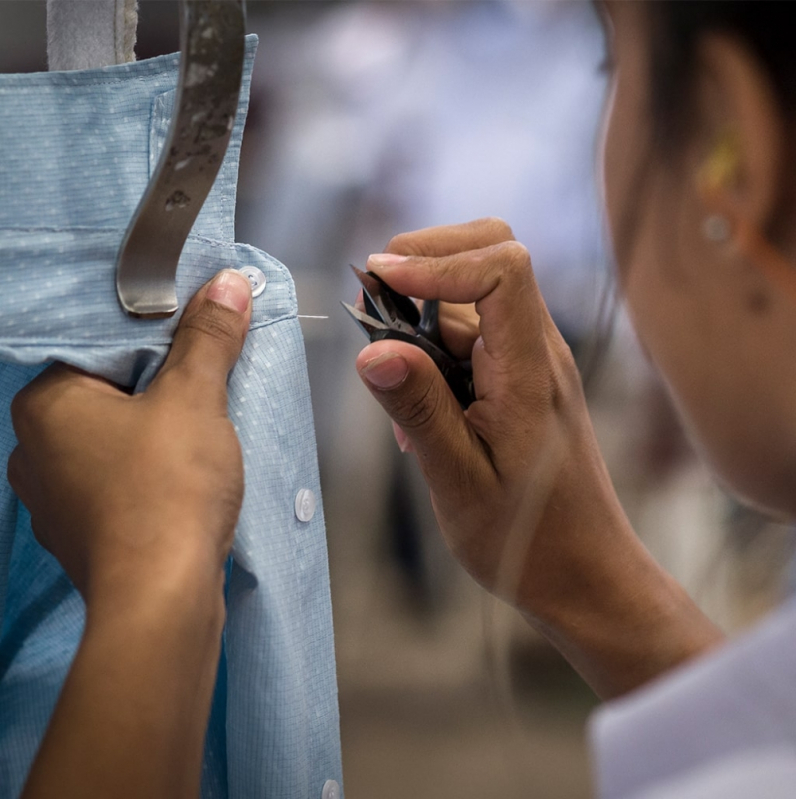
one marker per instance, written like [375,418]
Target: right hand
[518,485]
[513,477]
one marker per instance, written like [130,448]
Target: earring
[716,175]
[716,228]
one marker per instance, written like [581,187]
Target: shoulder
[737,705]
[769,773]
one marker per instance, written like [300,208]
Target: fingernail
[404,444]
[382,259]
[386,372]
[231,289]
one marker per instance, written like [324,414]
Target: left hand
[125,489]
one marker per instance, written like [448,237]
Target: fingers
[208,341]
[410,388]
[498,279]
[459,325]
[39,402]
[449,239]
[512,346]
[17,475]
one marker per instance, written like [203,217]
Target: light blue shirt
[77,151]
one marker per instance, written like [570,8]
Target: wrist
[186,583]
[586,560]
[593,589]
[132,714]
[582,546]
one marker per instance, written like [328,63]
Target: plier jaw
[390,315]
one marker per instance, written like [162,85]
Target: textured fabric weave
[78,149]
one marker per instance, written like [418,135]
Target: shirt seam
[54,79]
[196,237]
[122,342]
[150,67]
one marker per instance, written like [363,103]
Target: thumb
[209,339]
[413,392]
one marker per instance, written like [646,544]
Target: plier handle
[390,315]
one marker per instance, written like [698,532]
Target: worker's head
[699,163]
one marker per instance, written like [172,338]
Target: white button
[305,507]
[331,790]
[256,279]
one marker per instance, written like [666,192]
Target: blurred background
[372,118]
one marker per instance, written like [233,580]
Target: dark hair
[765,27]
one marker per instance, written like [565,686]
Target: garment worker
[698,169]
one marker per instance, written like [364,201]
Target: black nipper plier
[390,315]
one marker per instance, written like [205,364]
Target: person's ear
[743,171]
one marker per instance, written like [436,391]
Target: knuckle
[26,407]
[215,321]
[515,254]
[515,260]
[417,409]
[443,268]
[19,409]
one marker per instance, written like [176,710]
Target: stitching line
[18,343]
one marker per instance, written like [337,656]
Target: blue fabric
[77,151]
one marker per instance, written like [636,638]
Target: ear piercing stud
[716,228]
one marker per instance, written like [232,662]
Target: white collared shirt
[723,727]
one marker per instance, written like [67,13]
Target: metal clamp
[212,39]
